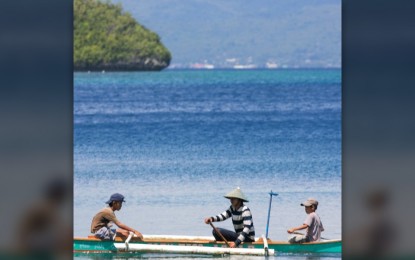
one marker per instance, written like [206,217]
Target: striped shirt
[242,222]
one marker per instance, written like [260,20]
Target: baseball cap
[116,197]
[309,202]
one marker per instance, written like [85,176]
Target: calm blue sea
[175,142]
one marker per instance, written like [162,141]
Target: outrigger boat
[198,245]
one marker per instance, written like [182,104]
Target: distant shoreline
[193,69]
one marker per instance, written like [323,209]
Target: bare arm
[125,227]
[303,226]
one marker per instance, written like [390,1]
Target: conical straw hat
[236,193]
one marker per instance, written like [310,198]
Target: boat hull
[94,245]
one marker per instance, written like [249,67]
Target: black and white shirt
[242,222]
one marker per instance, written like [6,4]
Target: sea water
[175,142]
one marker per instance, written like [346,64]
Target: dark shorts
[229,235]
[298,239]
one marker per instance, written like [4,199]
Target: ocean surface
[175,142]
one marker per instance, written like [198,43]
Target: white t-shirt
[315,226]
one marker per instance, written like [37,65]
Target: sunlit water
[174,142]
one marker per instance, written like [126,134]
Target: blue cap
[116,197]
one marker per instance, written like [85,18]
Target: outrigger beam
[191,249]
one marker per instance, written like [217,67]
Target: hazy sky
[304,33]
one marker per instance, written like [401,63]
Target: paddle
[220,234]
[299,233]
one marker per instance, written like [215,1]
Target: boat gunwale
[259,241]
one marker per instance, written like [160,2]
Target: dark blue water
[175,142]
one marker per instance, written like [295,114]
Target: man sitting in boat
[312,223]
[105,217]
[241,218]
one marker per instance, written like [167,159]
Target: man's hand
[208,220]
[291,230]
[232,244]
[138,234]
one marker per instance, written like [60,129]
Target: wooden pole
[220,234]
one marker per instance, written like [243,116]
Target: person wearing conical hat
[312,224]
[241,219]
[103,220]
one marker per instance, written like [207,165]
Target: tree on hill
[106,38]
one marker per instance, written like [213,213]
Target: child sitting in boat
[241,218]
[312,223]
[103,220]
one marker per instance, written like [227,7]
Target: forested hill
[107,38]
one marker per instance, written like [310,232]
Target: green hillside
[107,38]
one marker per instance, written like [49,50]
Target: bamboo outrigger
[198,245]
